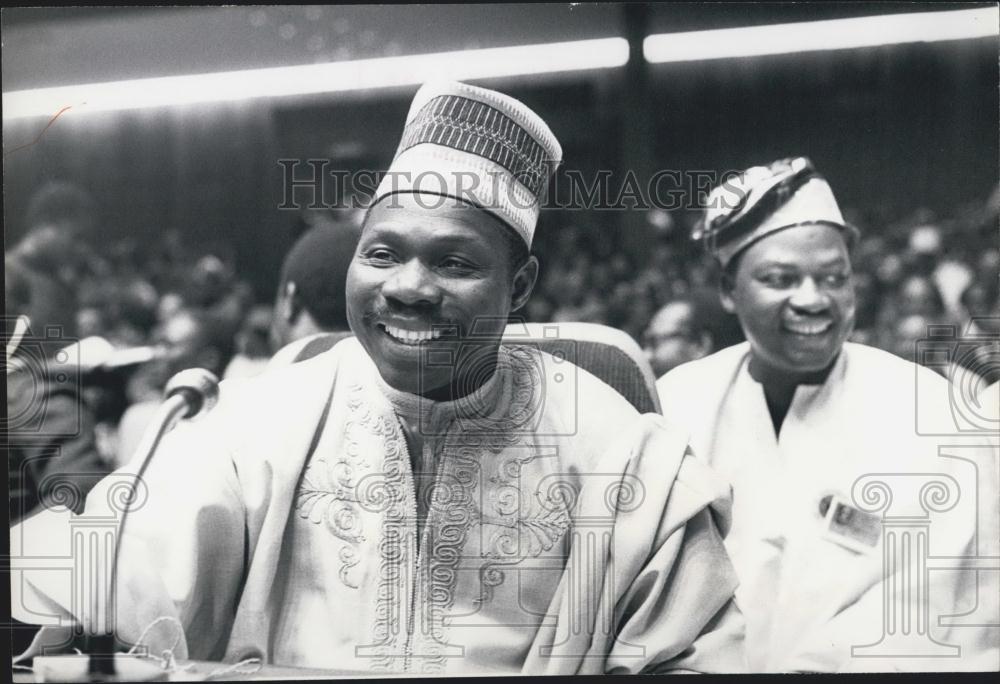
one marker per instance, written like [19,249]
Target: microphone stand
[188,393]
[101,647]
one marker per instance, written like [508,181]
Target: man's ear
[726,293]
[524,283]
[291,306]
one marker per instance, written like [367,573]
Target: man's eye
[453,264]
[779,280]
[835,280]
[380,255]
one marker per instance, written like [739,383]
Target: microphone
[197,388]
[188,394]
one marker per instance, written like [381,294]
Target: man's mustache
[379,314]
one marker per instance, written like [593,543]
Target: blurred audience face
[185,341]
[989,263]
[48,248]
[918,295]
[169,305]
[793,295]
[90,322]
[890,269]
[125,334]
[982,302]
[905,334]
[211,279]
[252,338]
[672,338]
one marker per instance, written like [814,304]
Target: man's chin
[410,381]
[428,390]
[809,364]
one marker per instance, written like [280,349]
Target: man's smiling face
[429,271]
[793,295]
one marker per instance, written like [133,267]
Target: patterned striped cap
[478,146]
[763,200]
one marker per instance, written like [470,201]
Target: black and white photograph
[500,339]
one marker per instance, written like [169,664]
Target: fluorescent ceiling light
[810,36]
[311,79]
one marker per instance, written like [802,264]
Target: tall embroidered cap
[478,146]
[763,200]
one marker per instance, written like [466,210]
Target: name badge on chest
[848,526]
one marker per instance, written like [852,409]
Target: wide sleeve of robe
[652,591]
[182,557]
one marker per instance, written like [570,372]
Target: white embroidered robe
[564,532]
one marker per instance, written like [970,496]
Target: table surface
[198,670]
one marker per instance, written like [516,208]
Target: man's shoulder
[287,384]
[307,347]
[696,374]
[893,373]
[893,391]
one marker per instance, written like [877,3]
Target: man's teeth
[809,328]
[413,336]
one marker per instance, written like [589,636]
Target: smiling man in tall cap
[810,430]
[421,498]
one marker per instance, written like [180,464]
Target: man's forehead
[433,215]
[803,245]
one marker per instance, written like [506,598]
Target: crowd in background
[911,273]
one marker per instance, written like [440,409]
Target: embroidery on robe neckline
[450,515]
[328,494]
[466,439]
[460,449]
[520,533]
[386,496]
[348,559]
[523,402]
[317,501]
[460,442]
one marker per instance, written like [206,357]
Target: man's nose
[808,297]
[412,284]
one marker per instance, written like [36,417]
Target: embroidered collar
[484,402]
